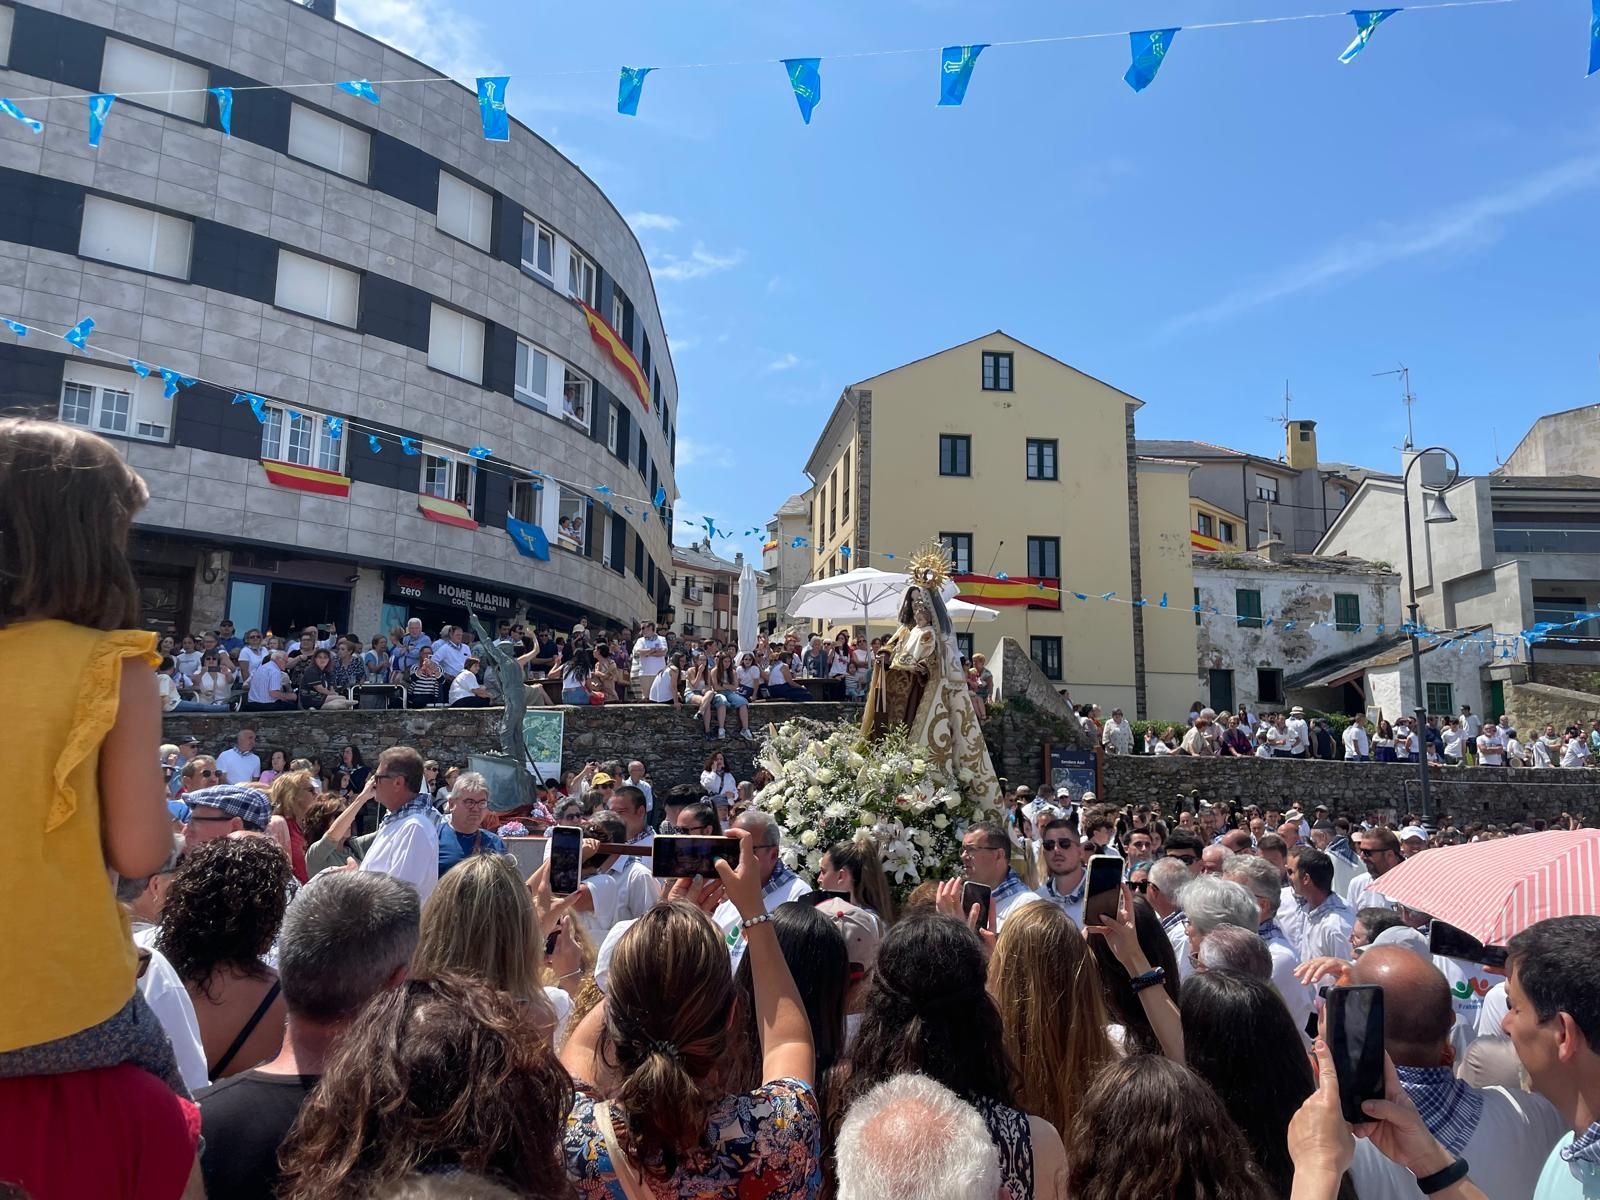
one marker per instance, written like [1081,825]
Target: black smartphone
[825,894]
[1449,942]
[566,859]
[976,893]
[1102,891]
[1353,1018]
[683,856]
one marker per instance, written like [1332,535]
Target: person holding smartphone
[986,860]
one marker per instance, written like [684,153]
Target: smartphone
[683,856]
[976,893]
[825,894]
[1449,942]
[566,859]
[1102,891]
[1353,1018]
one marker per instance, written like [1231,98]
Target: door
[1497,698]
[1221,689]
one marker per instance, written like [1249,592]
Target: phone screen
[976,893]
[566,852]
[683,856]
[1449,942]
[1354,1017]
[1102,890]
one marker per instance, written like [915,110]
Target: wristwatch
[1439,1180]
[1149,979]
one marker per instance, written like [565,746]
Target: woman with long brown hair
[857,867]
[439,1074]
[292,796]
[657,1048]
[1045,982]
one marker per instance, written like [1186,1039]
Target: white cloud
[1475,222]
[784,362]
[439,34]
[694,453]
[700,263]
[682,345]
[649,220]
[774,284]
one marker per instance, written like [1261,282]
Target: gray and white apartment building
[384,265]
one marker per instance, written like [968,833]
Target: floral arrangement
[829,786]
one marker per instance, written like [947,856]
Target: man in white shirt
[637,891]
[1296,734]
[449,652]
[269,686]
[778,883]
[239,763]
[1491,746]
[1261,879]
[1117,736]
[1380,852]
[1356,745]
[1504,1136]
[629,804]
[649,658]
[1471,724]
[1327,919]
[407,844]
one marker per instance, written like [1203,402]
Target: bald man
[1504,1136]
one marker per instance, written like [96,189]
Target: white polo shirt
[407,846]
[238,768]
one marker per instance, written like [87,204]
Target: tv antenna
[1283,421]
[1406,397]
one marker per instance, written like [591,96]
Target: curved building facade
[380,277]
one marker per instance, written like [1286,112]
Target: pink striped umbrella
[1495,889]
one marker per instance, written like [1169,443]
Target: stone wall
[1575,676]
[1472,793]
[1535,705]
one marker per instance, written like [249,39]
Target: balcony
[1547,539]
[693,594]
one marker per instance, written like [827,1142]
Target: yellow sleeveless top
[66,959]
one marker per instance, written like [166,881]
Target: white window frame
[529,387]
[582,276]
[570,377]
[150,78]
[580,513]
[164,237]
[611,428]
[299,437]
[7,14]
[341,288]
[464,210]
[540,228]
[449,478]
[1266,488]
[619,313]
[116,403]
[353,156]
[465,358]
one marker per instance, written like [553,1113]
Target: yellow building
[1213,528]
[1026,469]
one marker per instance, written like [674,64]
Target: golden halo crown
[930,566]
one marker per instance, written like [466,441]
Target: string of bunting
[956,64]
[525,533]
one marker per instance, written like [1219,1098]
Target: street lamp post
[1434,512]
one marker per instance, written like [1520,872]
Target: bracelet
[1149,979]
[1439,1180]
[750,922]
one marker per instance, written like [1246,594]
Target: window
[135,237]
[1266,487]
[533,374]
[329,142]
[1269,685]
[455,343]
[1219,690]
[619,314]
[115,402]
[318,289]
[845,499]
[1346,612]
[616,542]
[580,277]
[964,645]
[1247,607]
[464,211]
[575,397]
[449,478]
[177,87]
[1042,458]
[833,505]
[1044,557]
[1197,606]
[996,371]
[6,15]
[611,429]
[955,454]
[538,248]
[1203,525]
[959,546]
[301,438]
[642,455]
[526,495]
[1046,651]
[1441,699]
[1225,531]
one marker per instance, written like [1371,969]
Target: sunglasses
[1139,885]
[193,817]
[694,829]
[1058,844]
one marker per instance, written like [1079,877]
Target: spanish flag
[1200,541]
[1015,591]
[446,512]
[306,479]
[611,342]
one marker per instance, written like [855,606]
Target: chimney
[1273,550]
[1301,451]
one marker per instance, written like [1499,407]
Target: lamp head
[1434,509]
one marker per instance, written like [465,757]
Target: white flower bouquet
[829,786]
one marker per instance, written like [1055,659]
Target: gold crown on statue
[930,565]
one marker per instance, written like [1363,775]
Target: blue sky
[1260,213]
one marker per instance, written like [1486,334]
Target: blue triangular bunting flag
[955,72]
[11,110]
[630,86]
[224,97]
[78,335]
[99,106]
[1367,20]
[805,77]
[492,107]
[374,444]
[1150,48]
[361,88]
[1594,39]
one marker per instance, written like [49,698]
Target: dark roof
[1554,483]
[1181,448]
[1386,652]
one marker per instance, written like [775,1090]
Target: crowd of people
[236,992]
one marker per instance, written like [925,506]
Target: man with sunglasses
[1063,859]
[1380,854]
[1185,846]
[199,772]
[215,812]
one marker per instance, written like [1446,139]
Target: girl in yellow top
[86,797]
